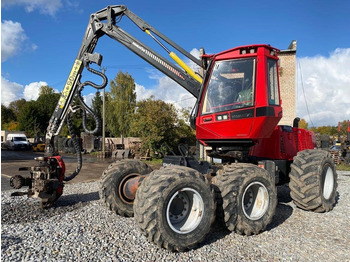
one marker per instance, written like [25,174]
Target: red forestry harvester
[237,112]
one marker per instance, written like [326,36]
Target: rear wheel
[313,181]
[175,207]
[249,197]
[112,191]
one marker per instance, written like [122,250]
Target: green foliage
[77,119]
[325,130]
[157,122]
[120,105]
[97,104]
[34,116]
[7,116]
[29,118]
[17,105]
[343,128]
[46,90]
[183,129]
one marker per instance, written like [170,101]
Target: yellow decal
[70,82]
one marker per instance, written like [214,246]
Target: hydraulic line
[102,75]
[77,149]
[90,111]
[181,63]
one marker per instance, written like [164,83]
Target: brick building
[287,83]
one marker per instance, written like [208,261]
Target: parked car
[17,142]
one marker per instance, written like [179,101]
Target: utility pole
[103,118]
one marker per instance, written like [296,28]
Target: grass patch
[343,167]
[154,163]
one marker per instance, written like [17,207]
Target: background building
[287,83]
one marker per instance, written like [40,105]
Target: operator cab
[240,101]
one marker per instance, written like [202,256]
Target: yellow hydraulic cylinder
[185,67]
[178,60]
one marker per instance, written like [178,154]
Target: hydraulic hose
[96,118]
[102,75]
[77,149]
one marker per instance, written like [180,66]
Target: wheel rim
[122,183]
[255,200]
[185,211]
[328,182]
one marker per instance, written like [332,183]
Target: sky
[40,40]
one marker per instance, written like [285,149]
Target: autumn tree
[303,124]
[120,105]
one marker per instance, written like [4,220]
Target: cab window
[231,86]
[274,98]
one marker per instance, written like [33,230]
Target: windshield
[19,139]
[230,86]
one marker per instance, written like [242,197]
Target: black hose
[89,83]
[96,118]
[77,149]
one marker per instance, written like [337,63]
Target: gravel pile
[80,228]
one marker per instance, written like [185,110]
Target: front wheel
[249,197]
[313,181]
[174,207]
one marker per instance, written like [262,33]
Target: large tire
[175,207]
[313,181]
[249,197]
[111,184]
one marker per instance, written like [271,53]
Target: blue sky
[40,40]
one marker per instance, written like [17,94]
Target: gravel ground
[80,228]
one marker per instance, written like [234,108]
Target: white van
[17,142]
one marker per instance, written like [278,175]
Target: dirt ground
[11,161]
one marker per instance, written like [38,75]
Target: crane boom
[104,22]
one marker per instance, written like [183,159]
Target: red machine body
[284,143]
[60,178]
[250,69]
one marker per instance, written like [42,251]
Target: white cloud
[326,81]
[88,99]
[10,91]
[44,6]
[167,89]
[12,38]
[31,91]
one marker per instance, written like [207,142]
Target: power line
[302,85]
[183,100]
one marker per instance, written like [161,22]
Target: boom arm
[98,28]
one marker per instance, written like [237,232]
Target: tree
[155,122]
[303,124]
[17,105]
[29,118]
[46,90]
[97,104]
[8,118]
[7,115]
[120,105]
[34,116]
[183,129]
